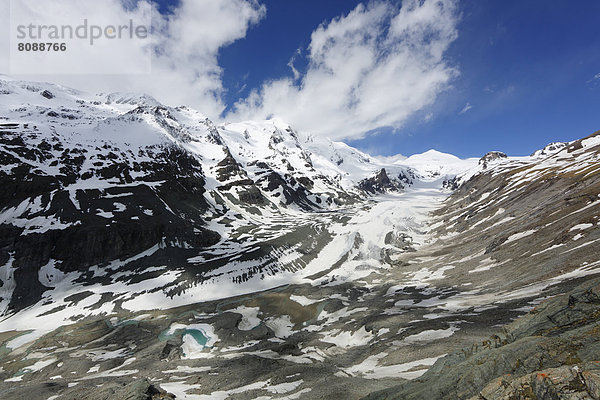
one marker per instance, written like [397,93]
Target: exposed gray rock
[490,157]
[549,149]
[380,183]
[47,94]
[550,353]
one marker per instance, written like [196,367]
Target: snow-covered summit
[433,164]
[129,120]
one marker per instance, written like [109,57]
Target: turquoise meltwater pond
[199,336]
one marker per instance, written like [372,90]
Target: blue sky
[527,70]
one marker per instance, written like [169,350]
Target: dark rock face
[294,191]
[47,94]
[228,168]
[87,226]
[494,244]
[141,389]
[450,184]
[251,195]
[491,156]
[400,240]
[379,183]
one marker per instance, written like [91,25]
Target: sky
[388,77]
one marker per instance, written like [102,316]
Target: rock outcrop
[491,157]
[551,353]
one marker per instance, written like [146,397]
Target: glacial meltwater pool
[195,337]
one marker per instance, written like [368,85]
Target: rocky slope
[534,221]
[180,258]
[551,353]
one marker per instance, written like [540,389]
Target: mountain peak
[433,154]
[433,164]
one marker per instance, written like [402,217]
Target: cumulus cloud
[374,67]
[186,43]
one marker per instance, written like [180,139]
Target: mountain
[147,252]
[95,179]
[435,165]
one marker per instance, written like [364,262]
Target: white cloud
[372,68]
[185,67]
[466,108]
[292,66]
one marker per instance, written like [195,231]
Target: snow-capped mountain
[94,179]
[148,251]
[434,165]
